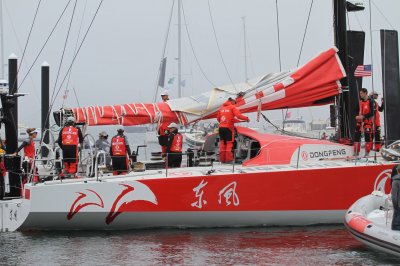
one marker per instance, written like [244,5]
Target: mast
[339,23]
[45,86]
[351,53]
[245,50]
[179,50]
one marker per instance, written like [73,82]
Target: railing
[242,153]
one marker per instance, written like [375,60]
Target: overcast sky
[119,60]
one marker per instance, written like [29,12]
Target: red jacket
[163,129]
[29,150]
[377,115]
[227,114]
[367,110]
[175,141]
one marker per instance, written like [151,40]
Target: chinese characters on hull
[226,195]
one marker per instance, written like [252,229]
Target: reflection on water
[322,245]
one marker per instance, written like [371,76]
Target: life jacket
[177,141]
[70,136]
[377,115]
[365,109]
[29,150]
[118,145]
[3,170]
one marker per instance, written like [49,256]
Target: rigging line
[80,46]
[45,43]
[279,39]
[191,46]
[358,21]
[250,57]
[283,131]
[20,48]
[219,49]
[305,32]
[76,97]
[76,47]
[370,37]
[387,20]
[73,60]
[65,46]
[27,41]
[164,48]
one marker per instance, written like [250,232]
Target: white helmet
[165,93]
[120,128]
[70,119]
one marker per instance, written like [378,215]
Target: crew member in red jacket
[377,121]
[163,129]
[227,116]
[29,153]
[174,146]
[364,121]
[69,138]
[3,172]
[120,152]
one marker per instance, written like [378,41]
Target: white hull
[138,220]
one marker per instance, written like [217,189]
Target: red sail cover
[314,83]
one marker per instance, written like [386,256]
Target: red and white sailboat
[282,180]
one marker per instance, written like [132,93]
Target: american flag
[363,71]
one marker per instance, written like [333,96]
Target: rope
[76,46]
[305,32]
[76,54]
[20,49]
[73,60]
[45,43]
[194,54]
[387,20]
[164,48]
[27,41]
[279,40]
[370,32]
[283,130]
[65,45]
[219,49]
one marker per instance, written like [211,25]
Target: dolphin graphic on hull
[137,192]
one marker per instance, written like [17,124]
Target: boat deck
[221,169]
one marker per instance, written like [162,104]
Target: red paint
[359,223]
[75,207]
[114,212]
[27,194]
[295,190]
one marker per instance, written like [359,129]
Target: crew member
[102,144]
[377,121]
[120,152]
[364,121]
[29,153]
[227,116]
[174,146]
[3,172]
[69,138]
[165,96]
[163,129]
[396,197]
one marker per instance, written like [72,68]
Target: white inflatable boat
[369,220]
